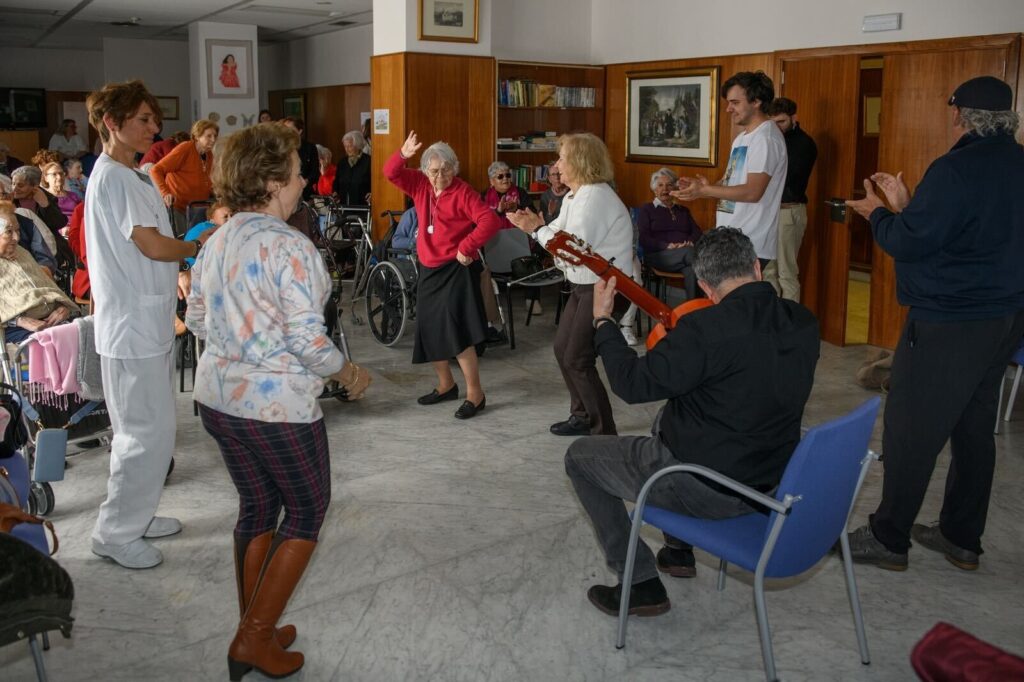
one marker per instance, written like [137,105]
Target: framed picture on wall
[454,21]
[294,105]
[672,116]
[229,68]
[169,108]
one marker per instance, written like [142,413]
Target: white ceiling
[83,24]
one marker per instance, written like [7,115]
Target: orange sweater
[183,174]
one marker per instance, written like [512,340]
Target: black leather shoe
[434,397]
[930,537]
[645,599]
[573,426]
[467,410]
[677,562]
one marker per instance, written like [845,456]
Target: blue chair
[808,514]
[1018,359]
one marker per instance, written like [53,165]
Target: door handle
[837,209]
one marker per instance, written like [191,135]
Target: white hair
[493,169]
[323,152]
[442,151]
[673,178]
[988,123]
[356,138]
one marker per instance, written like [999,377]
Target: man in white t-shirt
[749,193]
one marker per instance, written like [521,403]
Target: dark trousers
[676,260]
[577,359]
[274,466]
[944,387]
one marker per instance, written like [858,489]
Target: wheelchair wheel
[40,499]
[387,305]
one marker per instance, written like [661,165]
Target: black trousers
[676,260]
[944,387]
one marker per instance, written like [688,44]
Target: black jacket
[736,376]
[802,153]
[959,244]
[309,166]
[352,183]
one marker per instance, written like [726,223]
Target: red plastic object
[948,654]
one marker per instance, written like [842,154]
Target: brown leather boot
[249,558]
[255,645]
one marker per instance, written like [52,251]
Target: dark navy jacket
[959,244]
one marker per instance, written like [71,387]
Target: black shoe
[645,599]
[495,337]
[677,562]
[573,426]
[930,537]
[434,397]
[467,410]
[865,548]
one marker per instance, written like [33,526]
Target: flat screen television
[22,108]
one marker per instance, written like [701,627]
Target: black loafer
[645,599]
[573,426]
[677,562]
[434,397]
[467,410]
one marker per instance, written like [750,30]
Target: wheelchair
[347,232]
[390,298]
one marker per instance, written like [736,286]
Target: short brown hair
[45,169]
[782,105]
[201,126]
[299,124]
[588,156]
[121,101]
[251,158]
[44,157]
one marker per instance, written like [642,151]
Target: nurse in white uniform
[133,259]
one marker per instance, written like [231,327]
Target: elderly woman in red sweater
[183,176]
[454,225]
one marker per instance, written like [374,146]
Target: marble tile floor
[457,551]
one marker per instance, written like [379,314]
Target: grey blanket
[90,377]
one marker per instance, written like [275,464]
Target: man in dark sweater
[957,246]
[802,153]
[736,377]
[309,160]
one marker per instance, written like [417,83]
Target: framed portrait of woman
[229,68]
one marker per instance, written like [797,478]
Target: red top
[325,185]
[461,221]
[158,151]
[76,240]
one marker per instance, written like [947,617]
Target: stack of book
[540,141]
[516,92]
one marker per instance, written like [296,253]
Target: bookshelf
[567,91]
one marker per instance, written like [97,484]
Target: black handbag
[525,267]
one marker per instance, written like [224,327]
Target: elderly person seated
[504,196]
[8,163]
[53,182]
[352,182]
[32,231]
[75,179]
[29,299]
[551,200]
[67,142]
[328,171]
[27,193]
[668,231]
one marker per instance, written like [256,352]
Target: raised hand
[411,145]
[869,203]
[526,220]
[894,188]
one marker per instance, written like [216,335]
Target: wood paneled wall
[632,180]
[331,111]
[387,85]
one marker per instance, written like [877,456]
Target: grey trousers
[608,470]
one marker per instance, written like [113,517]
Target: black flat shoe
[434,397]
[468,410]
[646,599]
[573,426]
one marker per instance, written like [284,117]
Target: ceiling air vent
[343,23]
[131,21]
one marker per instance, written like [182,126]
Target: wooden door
[825,90]
[916,129]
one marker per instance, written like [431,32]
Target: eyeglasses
[436,172]
[503,176]
[554,175]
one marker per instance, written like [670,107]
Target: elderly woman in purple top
[668,231]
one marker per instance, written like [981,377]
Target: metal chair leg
[722,565]
[46,641]
[511,318]
[1013,394]
[761,609]
[627,574]
[37,658]
[999,403]
[851,591]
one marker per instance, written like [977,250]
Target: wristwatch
[199,245]
[604,318]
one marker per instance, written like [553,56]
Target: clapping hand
[526,220]
[690,189]
[411,145]
[864,207]
[894,188]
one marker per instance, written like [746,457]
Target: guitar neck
[624,284]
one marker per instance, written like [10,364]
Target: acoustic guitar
[571,248]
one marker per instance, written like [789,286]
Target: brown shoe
[255,645]
[930,537]
[249,558]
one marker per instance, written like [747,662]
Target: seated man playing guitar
[735,375]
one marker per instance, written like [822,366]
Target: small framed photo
[294,105]
[672,116]
[229,68]
[872,116]
[453,21]
[169,109]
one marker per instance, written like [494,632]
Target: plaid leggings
[274,465]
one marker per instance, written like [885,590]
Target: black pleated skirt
[449,311]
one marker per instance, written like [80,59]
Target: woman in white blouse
[591,210]
[67,142]
[258,293]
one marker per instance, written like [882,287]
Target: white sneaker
[162,526]
[135,554]
[537,310]
[627,333]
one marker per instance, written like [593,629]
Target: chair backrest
[824,471]
[505,247]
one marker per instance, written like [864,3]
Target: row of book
[539,142]
[517,92]
[528,176]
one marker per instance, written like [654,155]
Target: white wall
[670,29]
[163,65]
[542,30]
[73,70]
[244,110]
[389,26]
[337,58]
[389,36]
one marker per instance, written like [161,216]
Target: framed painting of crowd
[453,21]
[672,116]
